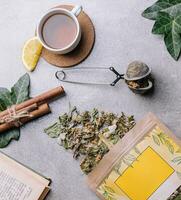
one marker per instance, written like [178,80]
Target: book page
[18,182]
[11,188]
[15,164]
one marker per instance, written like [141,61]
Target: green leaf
[172,7]
[5,97]
[173,44]
[177,24]
[171,28]
[2,106]
[167,14]
[5,138]
[163,24]
[53,131]
[20,91]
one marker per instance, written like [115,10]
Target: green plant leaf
[2,106]
[20,91]
[173,44]
[6,137]
[173,39]
[5,97]
[167,14]
[163,24]
[172,7]
[171,28]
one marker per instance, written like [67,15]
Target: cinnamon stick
[40,99]
[27,109]
[40,111]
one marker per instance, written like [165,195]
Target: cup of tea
[59,30]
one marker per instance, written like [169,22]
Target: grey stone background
[122,36]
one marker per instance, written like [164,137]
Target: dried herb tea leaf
[89,134]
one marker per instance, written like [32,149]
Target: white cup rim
[49,14]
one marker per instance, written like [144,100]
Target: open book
[18,182]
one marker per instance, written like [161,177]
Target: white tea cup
[60,11]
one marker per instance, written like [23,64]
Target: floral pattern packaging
[144,165]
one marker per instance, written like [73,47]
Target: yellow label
[144,176]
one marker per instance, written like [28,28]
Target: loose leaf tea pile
[19,93]
[90,134]
[167,16]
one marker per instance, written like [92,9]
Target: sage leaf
[172,7]
[6,137]
[2,105]
[5,97]
[20,91]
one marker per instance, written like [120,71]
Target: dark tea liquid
[59,31]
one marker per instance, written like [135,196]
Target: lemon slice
[31,53]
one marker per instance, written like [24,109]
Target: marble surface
[122,36]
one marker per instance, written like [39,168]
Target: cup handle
[76,10]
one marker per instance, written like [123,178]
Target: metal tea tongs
[137,77]
[62,76]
